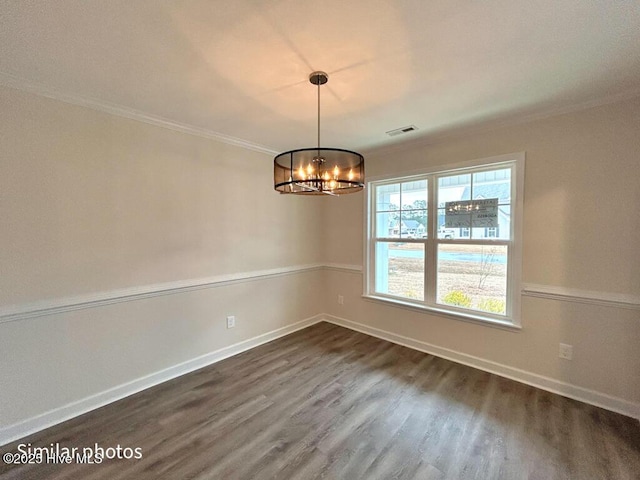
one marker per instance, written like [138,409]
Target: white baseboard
[575,392]
[31,425]
[58,415]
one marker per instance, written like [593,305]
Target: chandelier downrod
[318,78]
[318,170]
[318,119]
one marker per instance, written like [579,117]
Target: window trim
[514,273]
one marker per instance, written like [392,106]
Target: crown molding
[17,83]
[13,81]
[486,126]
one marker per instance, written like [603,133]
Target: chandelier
[319,170]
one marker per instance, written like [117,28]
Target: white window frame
[512,319]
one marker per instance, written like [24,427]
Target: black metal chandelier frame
[319,170]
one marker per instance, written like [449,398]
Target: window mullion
[430,254]
[392,265]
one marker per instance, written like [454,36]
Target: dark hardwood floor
[327,402]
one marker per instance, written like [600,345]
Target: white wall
[581,232]
[96,206]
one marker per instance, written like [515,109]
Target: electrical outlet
[340,300]
[231,321]
[566,351]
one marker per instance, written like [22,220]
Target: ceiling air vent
[402,131]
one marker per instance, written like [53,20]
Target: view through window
[446,240]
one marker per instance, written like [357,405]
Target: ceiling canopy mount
[318,170]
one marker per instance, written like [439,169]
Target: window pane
[451,233]
[388,197]
[414,224]
[473,277]
[388,225]
[493,184]
[400,269]
[414,195]
[454,188]
[502,231]
[444,232]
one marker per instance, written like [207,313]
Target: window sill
[466,317]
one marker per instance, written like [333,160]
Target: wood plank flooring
[327,402]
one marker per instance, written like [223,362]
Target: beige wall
[581,231]
[92,203]
[52,361]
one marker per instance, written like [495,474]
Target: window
[448,240]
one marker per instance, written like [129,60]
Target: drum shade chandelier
[319,170]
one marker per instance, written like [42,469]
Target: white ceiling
[239,68]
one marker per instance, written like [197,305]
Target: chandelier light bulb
[307,171]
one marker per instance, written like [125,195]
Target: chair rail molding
[53,306]
[591,297]
[12,313]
